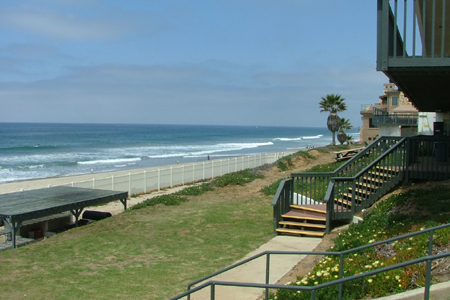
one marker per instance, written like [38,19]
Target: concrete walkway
[254,271]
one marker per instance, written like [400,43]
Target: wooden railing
[367,176]
[311,187]
[348,195]
[281,201]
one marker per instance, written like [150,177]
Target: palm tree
[333,103]
[345,125]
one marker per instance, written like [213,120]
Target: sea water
[31,151]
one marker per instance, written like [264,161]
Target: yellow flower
[370,280]
[316,283]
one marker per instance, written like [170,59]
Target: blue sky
[222,62]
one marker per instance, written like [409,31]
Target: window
[394,101]
[371,124]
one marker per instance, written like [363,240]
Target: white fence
[157,179]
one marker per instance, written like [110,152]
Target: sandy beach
[17,186]
[114,208]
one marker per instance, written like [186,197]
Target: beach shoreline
[31,184]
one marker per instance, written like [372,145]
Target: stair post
[330,205]
[353,197]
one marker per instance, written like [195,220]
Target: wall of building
[408,131]
[390,130]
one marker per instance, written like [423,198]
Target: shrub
[196,190]
[236,178]
[170,199]
[271,189]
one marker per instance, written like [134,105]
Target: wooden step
[350,196]
[342,202]
[309,218]
[318,208]
[377,180]
[367,186]
[381,174]
[390,169]
[300,232]
[360,191]
[301,224]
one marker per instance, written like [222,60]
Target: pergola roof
[21,206]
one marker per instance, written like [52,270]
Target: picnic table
[347,154]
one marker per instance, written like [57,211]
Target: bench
[347,154]
[7,233]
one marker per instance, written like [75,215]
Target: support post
[13,227]
[76,213]
[124,202]
[267,275]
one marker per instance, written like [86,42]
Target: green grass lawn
[149,253]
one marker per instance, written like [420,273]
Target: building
[394,115]
[413,50]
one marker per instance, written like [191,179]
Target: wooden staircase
[304,220]
[310,220]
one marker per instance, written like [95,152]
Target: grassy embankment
[147,253]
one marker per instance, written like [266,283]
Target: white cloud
[58,24]
[187,94]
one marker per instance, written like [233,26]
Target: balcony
[414,50]
[395,119]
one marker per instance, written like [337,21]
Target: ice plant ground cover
[400,214]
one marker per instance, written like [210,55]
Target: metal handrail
[339,281]
[313,289]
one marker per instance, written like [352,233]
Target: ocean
[32,151]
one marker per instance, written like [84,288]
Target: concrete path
[254,271]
